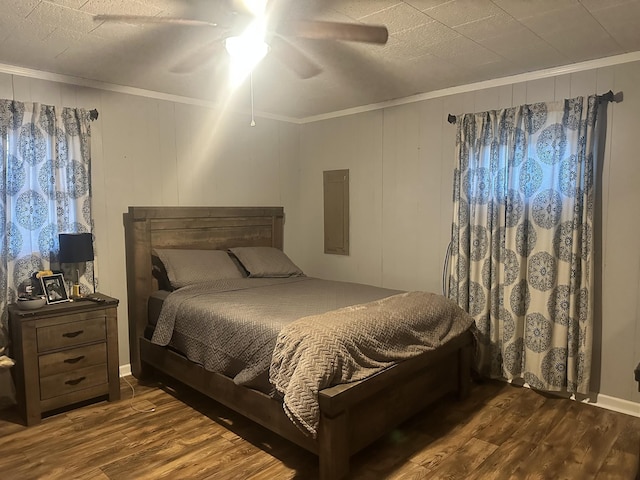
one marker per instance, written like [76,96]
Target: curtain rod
[93,114]
[605,97]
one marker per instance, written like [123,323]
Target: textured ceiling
[433,44]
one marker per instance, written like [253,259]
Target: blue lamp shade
[75,247]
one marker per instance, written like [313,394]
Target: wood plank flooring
[499,432]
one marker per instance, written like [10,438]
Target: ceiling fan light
[255,7]
[246,49]
[245,55]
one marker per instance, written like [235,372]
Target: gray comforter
[303,334]
[231,326]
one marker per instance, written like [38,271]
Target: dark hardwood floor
[499,432]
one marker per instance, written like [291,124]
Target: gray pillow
[266,262]
[186,267]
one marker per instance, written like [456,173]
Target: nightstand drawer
[73,359]
[76,332]
[68,382]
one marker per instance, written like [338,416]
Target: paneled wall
[401,161]
[157,152]
[154,152]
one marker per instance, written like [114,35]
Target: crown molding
[497,82]
[112,87]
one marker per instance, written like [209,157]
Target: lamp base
[75,291]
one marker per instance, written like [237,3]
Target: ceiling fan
[257,27]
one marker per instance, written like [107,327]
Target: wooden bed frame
[352,415]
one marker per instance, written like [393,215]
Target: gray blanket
[356,342]
[231,326]
[302,334]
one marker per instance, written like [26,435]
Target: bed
[351,415]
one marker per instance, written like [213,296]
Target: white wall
[155,152]
[348,142]
[401,163]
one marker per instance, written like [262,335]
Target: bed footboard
[352,415]
[355,415]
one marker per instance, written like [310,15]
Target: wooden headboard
[147,228]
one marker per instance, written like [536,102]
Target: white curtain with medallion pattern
[45,190]
[522,259]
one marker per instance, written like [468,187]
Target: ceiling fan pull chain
[253,122]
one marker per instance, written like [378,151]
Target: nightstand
[65,353]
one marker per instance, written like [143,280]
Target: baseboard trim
[125,370]
[617,404]
[596,399]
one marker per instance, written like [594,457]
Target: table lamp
[76,248]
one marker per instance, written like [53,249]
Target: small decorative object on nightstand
[65,353]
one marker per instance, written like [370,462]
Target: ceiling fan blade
[200,57]
[141,19]
[321,30]
[293,58]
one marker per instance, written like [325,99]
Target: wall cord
[445,271]
[133,394]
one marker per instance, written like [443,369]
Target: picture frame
[54,289]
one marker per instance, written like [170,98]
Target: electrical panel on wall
[336,212]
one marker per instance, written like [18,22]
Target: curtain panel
[522,257]
[45,190]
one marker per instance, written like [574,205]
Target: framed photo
[53,288]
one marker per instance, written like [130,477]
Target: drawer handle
[75,381]
[72,334]
[73,360]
